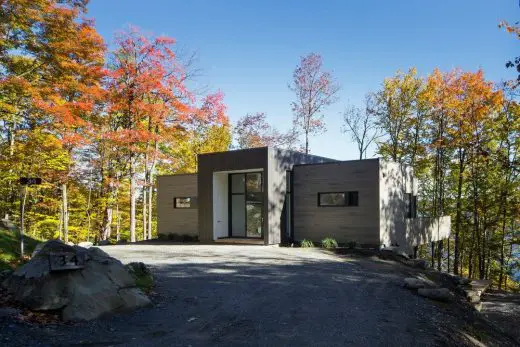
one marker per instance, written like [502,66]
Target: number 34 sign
[66,261]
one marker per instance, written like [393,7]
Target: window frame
[411,205]
[191,202]
[349,199]
[346,200]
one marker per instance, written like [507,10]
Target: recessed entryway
[238,204]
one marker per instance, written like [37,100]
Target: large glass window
[247,204]
[238,215]
[237,183]
[254,182]
[254,219]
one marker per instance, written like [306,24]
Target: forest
[98,125]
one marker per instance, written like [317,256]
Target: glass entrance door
[246,204]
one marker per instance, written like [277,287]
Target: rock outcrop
[439,294]
[103,286]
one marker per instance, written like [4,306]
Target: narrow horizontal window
[331,199]
[338,199]
[184,202]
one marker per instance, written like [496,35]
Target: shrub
[306,243]
[189,238]
[142,275]
[328,243]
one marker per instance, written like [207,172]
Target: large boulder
[85,244]
[439,294]
[416,283]
[103,286]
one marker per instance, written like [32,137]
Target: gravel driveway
[257,295]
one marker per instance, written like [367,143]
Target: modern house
[268,196]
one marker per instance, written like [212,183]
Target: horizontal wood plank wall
[279,162]
[180,221]
[345,224]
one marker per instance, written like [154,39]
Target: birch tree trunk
[65,213]
[60,223]
[145,201]
[150,210]
[118,221]
[107,223]
[132,200]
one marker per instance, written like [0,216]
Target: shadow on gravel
[275,298]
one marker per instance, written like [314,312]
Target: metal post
[23,197]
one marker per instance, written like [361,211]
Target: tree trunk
[118,223]
[65,213]
[306,142]
[448,241]
[60,223]
[502,245]
[439,255]
[150,209]
[132,201]
[107,223]
[459,215]
[88,209]
[145,220]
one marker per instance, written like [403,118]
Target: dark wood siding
[280,161]
[346,224]
[170,220]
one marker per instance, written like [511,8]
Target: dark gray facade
[274,164]
[208,164]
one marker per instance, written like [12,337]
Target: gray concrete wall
[350,223]
[255,158]
[279,162]
[395,180]
[176,220]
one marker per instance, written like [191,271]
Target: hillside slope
[10,246]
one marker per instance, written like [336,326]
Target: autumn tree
[395,106]
[145,87]
[253,130]
[315,89]
[469,103]
[51,65]
[361,125]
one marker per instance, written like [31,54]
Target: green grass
[145,283]
[10,248]
[306,243]
[329,243]
[142,275]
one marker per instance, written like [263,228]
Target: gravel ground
[267,296]
[503,310]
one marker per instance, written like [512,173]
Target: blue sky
[249,49]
